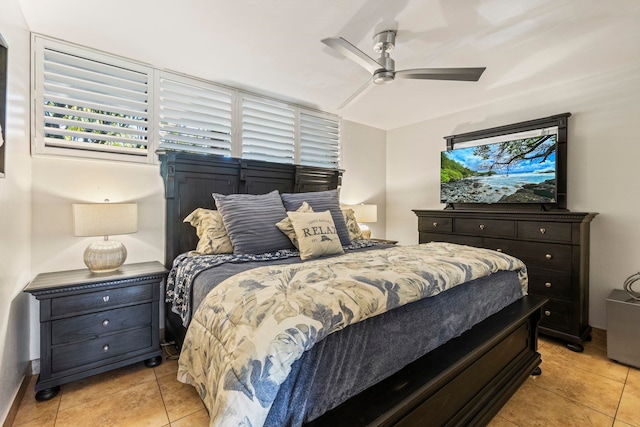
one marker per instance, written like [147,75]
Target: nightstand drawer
[435,224]
[535,254]
[549,284]
[548,231]
[99,349]
[93,325]
[485,227]
[102,299]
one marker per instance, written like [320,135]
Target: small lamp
[365,213]
[105,219]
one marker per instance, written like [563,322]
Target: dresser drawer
[93,325]
[535,254]
[549,284]
[101,299]
[547,231]
[99,349]
[484,227]
[451,238]
[556,315]
[435,224]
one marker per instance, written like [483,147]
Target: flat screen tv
[514,171]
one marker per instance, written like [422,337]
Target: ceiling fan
[383,68]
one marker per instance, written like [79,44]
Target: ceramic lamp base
[104,256]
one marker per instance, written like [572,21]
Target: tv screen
[517,171]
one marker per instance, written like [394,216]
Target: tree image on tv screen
[517,171]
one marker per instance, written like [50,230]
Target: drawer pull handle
[543,230]
[547,313]
[105,298]
[105,348]
[498,250]
[435,224]
[481,226]
[548,256]
[547,285]
[105,322]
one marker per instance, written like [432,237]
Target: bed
[462,381]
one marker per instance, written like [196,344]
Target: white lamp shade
[365,213]
[105,219]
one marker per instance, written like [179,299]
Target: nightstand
[92,323]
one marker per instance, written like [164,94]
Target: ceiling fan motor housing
[383,44]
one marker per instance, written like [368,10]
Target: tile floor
[575,389]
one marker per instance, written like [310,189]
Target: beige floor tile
[97,386]
[564,378]
[199,419]
[629,410]
[498,421]
[135,406]
[30,409]
[591,360]
[179,399]
[534,406]
[48,420]
[618,423]
[166,367]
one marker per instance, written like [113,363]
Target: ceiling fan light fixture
[383,76]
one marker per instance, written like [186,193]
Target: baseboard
[13,411]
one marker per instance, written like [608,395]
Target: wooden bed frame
[464,382]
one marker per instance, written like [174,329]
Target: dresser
[553,245]
[92,323]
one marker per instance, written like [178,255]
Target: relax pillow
[352,225]
[320,201]
[316,233]
[287,227]
[211,232]
[251,221]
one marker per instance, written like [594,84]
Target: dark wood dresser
[553,245]
[91,323]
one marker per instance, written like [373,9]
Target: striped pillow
[321,201]
[251,220]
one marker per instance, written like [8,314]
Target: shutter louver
[319,140]
[268,130]
[194,116]
[91,105]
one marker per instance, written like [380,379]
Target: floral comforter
[250,329]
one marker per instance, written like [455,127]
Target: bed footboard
[462,383]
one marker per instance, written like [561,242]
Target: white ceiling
[273,47]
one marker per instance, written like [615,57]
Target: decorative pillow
[211,232]
[352,225]
[320,201]
[287,227]
[251,220]
[317,234]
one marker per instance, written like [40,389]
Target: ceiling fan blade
[357,94]
[351,52]
[463,74]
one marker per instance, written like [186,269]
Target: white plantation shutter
[319,139]
[194,115]
[86,104]
[268,130]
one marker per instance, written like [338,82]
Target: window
[194,116]
[268,130]
[319,140]
[86,105]
[96,105]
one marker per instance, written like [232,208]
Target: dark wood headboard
[189,180]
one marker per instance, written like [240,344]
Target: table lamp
[365,213]
[105,219]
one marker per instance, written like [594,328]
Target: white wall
[15,211]
[364,163]
[604,151]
